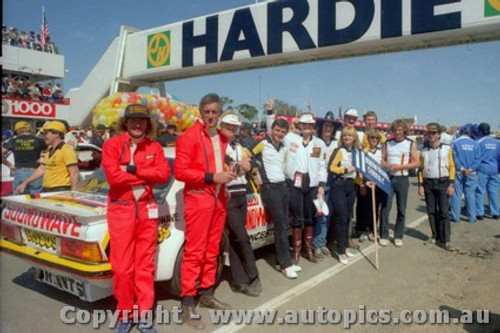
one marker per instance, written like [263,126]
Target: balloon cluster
[163,109]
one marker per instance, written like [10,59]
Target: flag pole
[374,214]
[42,39]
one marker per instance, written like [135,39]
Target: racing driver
[133,164]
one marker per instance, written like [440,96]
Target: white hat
[352,113]
[307,118]
[231,119]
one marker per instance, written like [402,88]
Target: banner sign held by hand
[371,170]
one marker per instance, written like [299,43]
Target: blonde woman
[364,211]
[342,188]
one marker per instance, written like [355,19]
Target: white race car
[65,237]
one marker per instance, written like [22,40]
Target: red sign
[33,109]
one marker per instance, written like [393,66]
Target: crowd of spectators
[23,88]
[13,37]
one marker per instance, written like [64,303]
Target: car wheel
[174,285]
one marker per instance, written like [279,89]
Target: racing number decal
[163,233]
[41,239]
[159,49]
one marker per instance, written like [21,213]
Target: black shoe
[495,217]
[480,218]
[256,285]
[244,288]
[190,317]
[209,301]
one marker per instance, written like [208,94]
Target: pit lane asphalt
[27,305]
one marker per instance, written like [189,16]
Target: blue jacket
[490,154]
[466,153]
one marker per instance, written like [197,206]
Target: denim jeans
[322,224]
[466,185]
[400,186]
[489,184]
[21,175]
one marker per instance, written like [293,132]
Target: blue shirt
[466,153]
[490,154]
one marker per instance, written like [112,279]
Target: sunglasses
[51,131]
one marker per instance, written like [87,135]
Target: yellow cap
[56,126]
[22,125]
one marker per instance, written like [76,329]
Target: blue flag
[371,170]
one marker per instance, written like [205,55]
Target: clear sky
[452,85]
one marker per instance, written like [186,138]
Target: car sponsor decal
[45,221]
[41,240]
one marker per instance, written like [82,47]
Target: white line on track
[308,284]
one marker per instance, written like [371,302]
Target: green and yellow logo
[159,49]
[491,7]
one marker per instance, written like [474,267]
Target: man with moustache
[199,163]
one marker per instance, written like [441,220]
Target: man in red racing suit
[133,164]
[199,163]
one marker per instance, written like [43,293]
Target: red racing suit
[204,208]
[132,232]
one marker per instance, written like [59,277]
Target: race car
[89,159]
[64,235]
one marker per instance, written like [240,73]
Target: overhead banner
[371,170]
[276,33]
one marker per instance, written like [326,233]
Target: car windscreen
[97,182]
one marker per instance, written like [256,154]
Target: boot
[308,244]
[296,244]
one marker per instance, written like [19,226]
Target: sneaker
[480,218]
[146,327]
[296,268]
[371,237]
[363,238]
[495,217]
[398,242]
[124,327]
[430,241]
[349,253]
[318,253]
[290,272]
[383,241]
[343,259]
[448,247]
[326,251]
